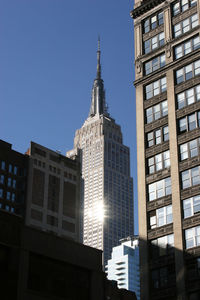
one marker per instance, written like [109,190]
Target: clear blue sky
[48,64]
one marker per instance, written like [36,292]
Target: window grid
[158,136]
[163,244]
[187,47]
[154,64]
[188,97]
[159,162]
[153,22]
[192,237]
[190,149]
[182,5]
[188,72]
[154,42]
[156,112]
[185,25]
[155,88]
[190,177]
[189,122]
[191,206]
[161,217]
[159,189]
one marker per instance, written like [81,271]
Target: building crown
[98,103]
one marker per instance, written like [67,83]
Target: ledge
[146,6]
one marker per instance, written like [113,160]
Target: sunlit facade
[107,188]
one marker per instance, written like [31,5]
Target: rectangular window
[153,22]
[182,5]
[192,237]
[14,184]
[1,193]
[190,177]
[9,181]
[8,196]
[159,189]
[190,149]
[3,165]
[15,170]
[155,88]
[161,216]
[162,246]
[189,122]
[13,197]
[158,136]
[154,42]
[159,162]
[191,206]
[2,179]
[187,47]
[188,97]
[154,64]
[156,112]
[187,72]
[10,168]
[185,25]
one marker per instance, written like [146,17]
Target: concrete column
[142,213]
[176,202]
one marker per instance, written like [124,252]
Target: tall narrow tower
[107,188]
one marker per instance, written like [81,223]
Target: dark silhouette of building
[167,81]
[13,179]
[36,265]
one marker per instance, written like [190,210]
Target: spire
[98,60]
[98,104]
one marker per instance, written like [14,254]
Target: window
[187,47]
[159,162]
[182,5]
[154,64]
[163,277]
[154,42]
[191,206]
[8,196]
[159,189]
[7,207]
[158,136]
[1,193]
[156,112]
[162,246]
[3,165]
[15,170]
[161,217]
[185,25]
[10,168]
[14,184]
[9,181]
[192,237]
[189,122]
[190,177]
[190,149]
[13,197]
[188,72]
[188,97]
[2,179]
[155,88]
[153,22]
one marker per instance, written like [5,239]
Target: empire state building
[107,188]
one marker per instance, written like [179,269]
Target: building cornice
[146,6]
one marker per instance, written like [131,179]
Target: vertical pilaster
[176,202]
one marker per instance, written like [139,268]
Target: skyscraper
[123,267]
[107,188]
[167,81]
